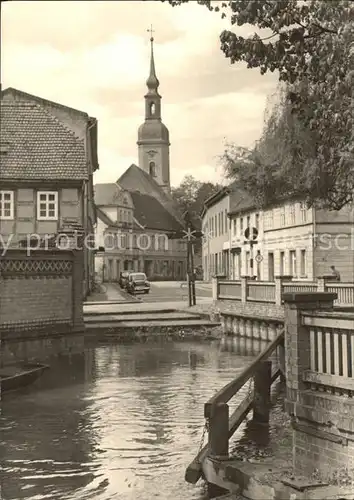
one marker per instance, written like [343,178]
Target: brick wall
[309,452]
[323,422]
[40,293]
[253,309]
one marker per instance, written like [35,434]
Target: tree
[190,196]
[281,161]
[311,45]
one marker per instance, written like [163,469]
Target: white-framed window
[303,210]
[257,221]
[235,227]
[303,266]
[292,214]
[292,262]
[282,263]
[282,216]
[6,205]
[47,205]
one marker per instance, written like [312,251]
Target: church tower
[153,136]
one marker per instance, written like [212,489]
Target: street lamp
[190,234]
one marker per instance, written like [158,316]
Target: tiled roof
[37,146]
[136,179]
[150,213]
[110,223]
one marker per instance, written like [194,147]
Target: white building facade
[292,239]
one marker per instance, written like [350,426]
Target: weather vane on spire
[151,31]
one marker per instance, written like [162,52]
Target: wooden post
[262,383]
[219,431]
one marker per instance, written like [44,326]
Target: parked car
[137,282]
[123,278]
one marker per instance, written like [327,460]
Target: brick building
[48,156]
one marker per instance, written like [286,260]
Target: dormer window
[152,169]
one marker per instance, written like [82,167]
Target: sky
[94,56]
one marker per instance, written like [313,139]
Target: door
[270,266]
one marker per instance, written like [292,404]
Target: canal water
[119,422]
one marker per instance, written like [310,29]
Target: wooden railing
[262,291]
[345,292]
[221,426]
[293,287]
[247,290]
[331,352]
[229,290]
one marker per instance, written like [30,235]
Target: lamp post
[190,234]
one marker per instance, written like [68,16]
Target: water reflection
[118,422]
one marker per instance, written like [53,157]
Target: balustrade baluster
[328,351]
[313,353]
[319,350]
[345,355]
[336,352]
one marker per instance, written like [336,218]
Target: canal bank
[114,422]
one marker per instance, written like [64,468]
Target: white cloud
[99,63]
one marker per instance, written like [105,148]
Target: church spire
[152,82]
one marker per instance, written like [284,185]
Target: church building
[138,224]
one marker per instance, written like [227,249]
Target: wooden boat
[14,377]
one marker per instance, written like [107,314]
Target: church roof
[150,213]
[136,179]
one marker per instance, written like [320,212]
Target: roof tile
[37,146]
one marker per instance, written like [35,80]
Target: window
[269,220]
[257,221]
[248,270]
[152,108]
[303,270]
[6,205]
[47,205]
[152,169]
[292,214]
[241,225]
[216,225]
[248,221]
[282,216]
[303,210]
[225,220]
[221,219]
[235,227]
[292,255]
[282,263]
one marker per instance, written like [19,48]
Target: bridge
[310,346]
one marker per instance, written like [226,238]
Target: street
[172,291]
